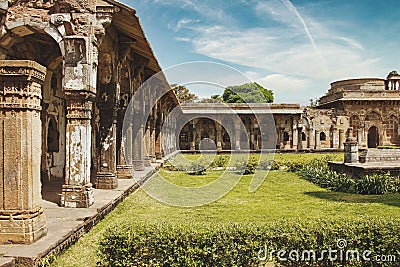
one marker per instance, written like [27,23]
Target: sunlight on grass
[283,195]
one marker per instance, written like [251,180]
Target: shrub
[374,184]
[247,166]
[220,161]
[238,244]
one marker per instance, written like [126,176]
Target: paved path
[66,225]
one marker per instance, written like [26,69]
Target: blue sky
[295,48]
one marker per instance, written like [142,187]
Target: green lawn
[283,195]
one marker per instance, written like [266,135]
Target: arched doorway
[373,137]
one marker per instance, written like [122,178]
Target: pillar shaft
[21,214]
[80,76]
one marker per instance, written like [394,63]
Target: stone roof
[240,108]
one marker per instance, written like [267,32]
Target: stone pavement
[66,225]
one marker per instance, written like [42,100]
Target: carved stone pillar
[218,137]
[106,176]
[138,162]
[341,138]
[281,137]
[147,143]
[77,192]
[21,214]
[80,76]
[158,125]
[237,135]
[256,145]
[317,140]
[153,141]
[300,137]
[295,137]
[334,141]
[192,136]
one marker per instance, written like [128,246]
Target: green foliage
[162,244]
[220,161]
[212,99]
[247,166]
[318,172]
[183,94]
[248,93]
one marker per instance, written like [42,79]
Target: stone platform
[66,225]
[360,169]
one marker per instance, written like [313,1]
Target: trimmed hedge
[318,172]
[241,244]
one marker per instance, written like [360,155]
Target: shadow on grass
[387,199]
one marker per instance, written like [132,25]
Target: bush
[239,244]
[220,161]
[247,166]
[318,172]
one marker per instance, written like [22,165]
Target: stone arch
[322,136]
[392,129]
[373,137]
[373,116]
[29,27]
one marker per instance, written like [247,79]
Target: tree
[212,99]
[183,94]
[248,93]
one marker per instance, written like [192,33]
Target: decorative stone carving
[21,215]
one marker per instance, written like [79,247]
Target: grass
[283,195]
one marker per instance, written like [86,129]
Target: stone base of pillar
[138,165]
[77,196]
[22,227]
[159,155]
[147,161]
[124,171]
[106,180]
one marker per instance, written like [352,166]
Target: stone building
[367,109]
[68,69]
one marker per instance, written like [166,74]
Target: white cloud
[289,89]
[304,54]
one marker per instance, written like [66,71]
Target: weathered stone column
[153,141]
[281,137]
[106,176]
[341,138]
[21,214]
[295,137]
[159,153]
[299,137]
[80,75]
[218,137]
[311,138]
[359,136]
[317,140]
[255,136]
[138,162]
[192,136]
[237,135]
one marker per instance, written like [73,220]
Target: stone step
[7,262]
